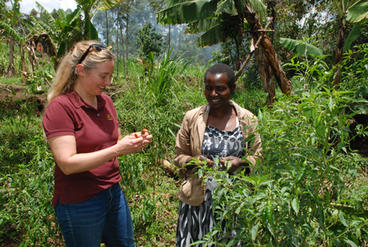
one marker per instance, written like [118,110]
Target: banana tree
[219,20]
[352,11]
[358,15]
[9,25]
[67,28]
[347,11]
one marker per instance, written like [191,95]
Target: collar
[78,102]
[206,109]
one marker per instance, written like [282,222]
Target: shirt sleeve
[183,152]
[57,120]
[255,146]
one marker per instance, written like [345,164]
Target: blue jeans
[104,218]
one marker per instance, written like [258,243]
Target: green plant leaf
[342,219]
[351,243]
[254,231]
[213,36]
[358,11]
[295,205]
[226,6]
[187,12]
[300,47]
[352,36]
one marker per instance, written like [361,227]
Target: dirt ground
[10,95]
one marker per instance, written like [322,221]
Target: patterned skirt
[194,221]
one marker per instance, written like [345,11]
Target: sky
[27,5]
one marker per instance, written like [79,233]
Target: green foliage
[358,11]
[26,180]
[215,20]
[8,30]
[149,41]
[310,189]
[39,80]
[355,68]
[302,48]
[162,77]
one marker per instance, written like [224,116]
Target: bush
[310,190]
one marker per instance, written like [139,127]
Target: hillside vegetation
[311,189]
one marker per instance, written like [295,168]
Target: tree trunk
[237,49]
[169,39]
[107,28]
[127,44]
[87,29]
[269,51]
[24,67]
[122,46]
[117,53]
[11,68]
[265,73]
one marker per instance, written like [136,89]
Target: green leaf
[226,6]
[351,243]
[203,25]
[109,4]
[93,33]
[187,12]
[254,231]
[213,36]
[352,36]
[358,11]
[342,219]
[295,205]
[300,47]
[10,31]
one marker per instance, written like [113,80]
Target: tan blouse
[190,135]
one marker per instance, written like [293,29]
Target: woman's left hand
[236,162]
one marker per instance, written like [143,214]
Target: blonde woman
[80,123]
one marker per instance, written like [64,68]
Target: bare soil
[12,95]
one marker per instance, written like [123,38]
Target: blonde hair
[66,74]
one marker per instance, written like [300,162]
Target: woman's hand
[236,162]
[206,161]
[133,143]
[64,149]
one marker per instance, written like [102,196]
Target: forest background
[302,68]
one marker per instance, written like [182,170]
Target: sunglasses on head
[97,47]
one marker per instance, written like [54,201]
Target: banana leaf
[353,35]
[358,11]
[300,47]
[187,12]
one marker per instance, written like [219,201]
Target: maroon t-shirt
[93,130]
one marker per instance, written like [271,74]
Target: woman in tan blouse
[216,130]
